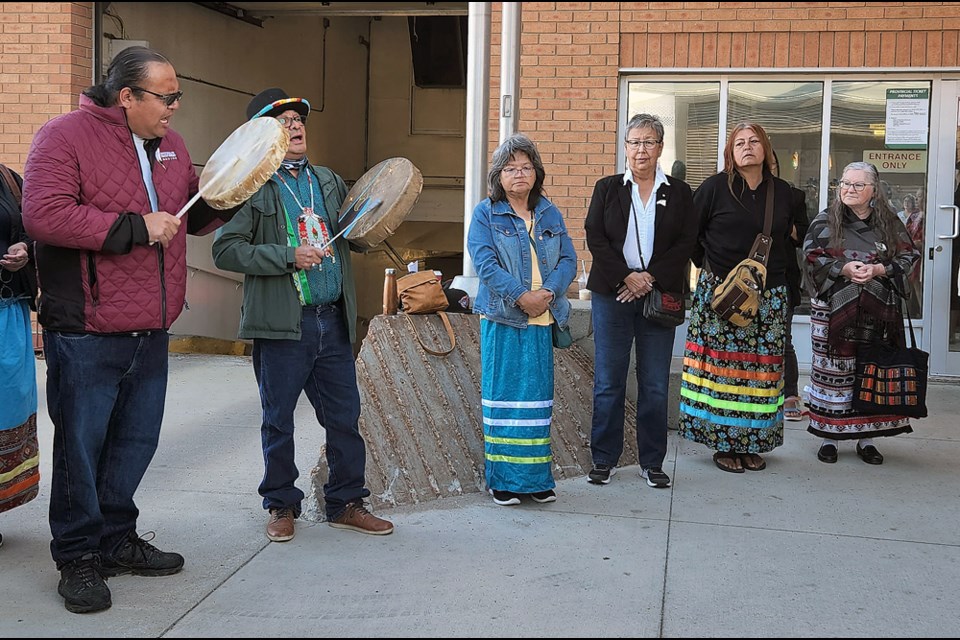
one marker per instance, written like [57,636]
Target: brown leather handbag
[420,293]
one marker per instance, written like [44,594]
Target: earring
[873,202]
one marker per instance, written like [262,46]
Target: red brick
[781,53]
[871,49]
[682,50]
[934,45]
[888,49]
[812,50]
[667,50]
[858,54]
[709,50]
[723,50]
[696,50]
[653,50]
[951,57]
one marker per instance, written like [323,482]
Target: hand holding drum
[237,169]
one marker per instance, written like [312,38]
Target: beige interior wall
[222,62]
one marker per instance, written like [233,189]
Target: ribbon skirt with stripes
[731,394]
[517,397]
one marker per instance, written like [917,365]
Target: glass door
[943,238]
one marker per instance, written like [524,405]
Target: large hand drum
[381,199]
[242,164]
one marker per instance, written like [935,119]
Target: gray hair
[643,121]
[502,155]
[886,220]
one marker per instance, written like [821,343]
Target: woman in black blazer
[641,231]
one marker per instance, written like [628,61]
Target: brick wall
[571,53]
[46,60]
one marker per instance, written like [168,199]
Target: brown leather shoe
[281,526]
[356,517]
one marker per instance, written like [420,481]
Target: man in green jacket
[300,310]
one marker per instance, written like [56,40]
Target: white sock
[827,441]
[865,442]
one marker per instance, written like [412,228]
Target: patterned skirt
[19,453]
[831,391]
[517,397]
[731,394]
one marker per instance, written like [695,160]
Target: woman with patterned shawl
[19,455]
[731,392]
[858,260]
[525,261]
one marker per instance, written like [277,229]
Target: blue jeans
[615,328]
[321,364]
[105,395]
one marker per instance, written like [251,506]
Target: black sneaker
[544,496]
[655,477]
[601,474]
[139,557]
[82,585]
[505,498]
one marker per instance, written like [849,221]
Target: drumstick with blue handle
[368,206]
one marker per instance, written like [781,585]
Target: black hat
[270,102]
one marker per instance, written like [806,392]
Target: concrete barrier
[421,415]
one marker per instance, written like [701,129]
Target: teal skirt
[517,396]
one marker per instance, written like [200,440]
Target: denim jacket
[501,252]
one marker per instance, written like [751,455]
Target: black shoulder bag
[661,307]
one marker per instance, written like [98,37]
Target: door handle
[956,222]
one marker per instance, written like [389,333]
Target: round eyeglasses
[289,122]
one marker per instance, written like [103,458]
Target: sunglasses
[167,98]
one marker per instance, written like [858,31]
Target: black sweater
[729,224]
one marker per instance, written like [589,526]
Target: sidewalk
[803,549]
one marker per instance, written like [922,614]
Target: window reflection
[690,112]
[858,134]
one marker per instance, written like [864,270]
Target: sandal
[791,409]
[727,461]
[752,462]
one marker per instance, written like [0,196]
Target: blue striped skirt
[517,397]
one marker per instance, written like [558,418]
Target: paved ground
[802,549]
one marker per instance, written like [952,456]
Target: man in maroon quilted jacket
[99,185]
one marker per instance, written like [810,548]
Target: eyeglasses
[856,186]
[634,145]
[513,171]
[289,122]
[167,98]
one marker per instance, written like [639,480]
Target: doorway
[942,256]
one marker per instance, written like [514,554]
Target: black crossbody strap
[760,251]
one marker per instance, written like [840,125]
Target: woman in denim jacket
[525,261]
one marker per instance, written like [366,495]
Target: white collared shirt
[146,171]
[647,214]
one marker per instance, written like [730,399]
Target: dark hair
[885,218]
[129,68]
[644,121]
[517,143]
[678,170]
[730,166]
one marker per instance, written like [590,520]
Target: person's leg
[331,387]
[282,367]
[132,435]
[613,329]
[654,353]
[83,382]
[791,372]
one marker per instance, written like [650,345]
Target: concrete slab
[801,549]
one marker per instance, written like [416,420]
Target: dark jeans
[105,395]
[615,328]
[321,364]
[791,372]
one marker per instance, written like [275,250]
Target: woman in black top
[731,396]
